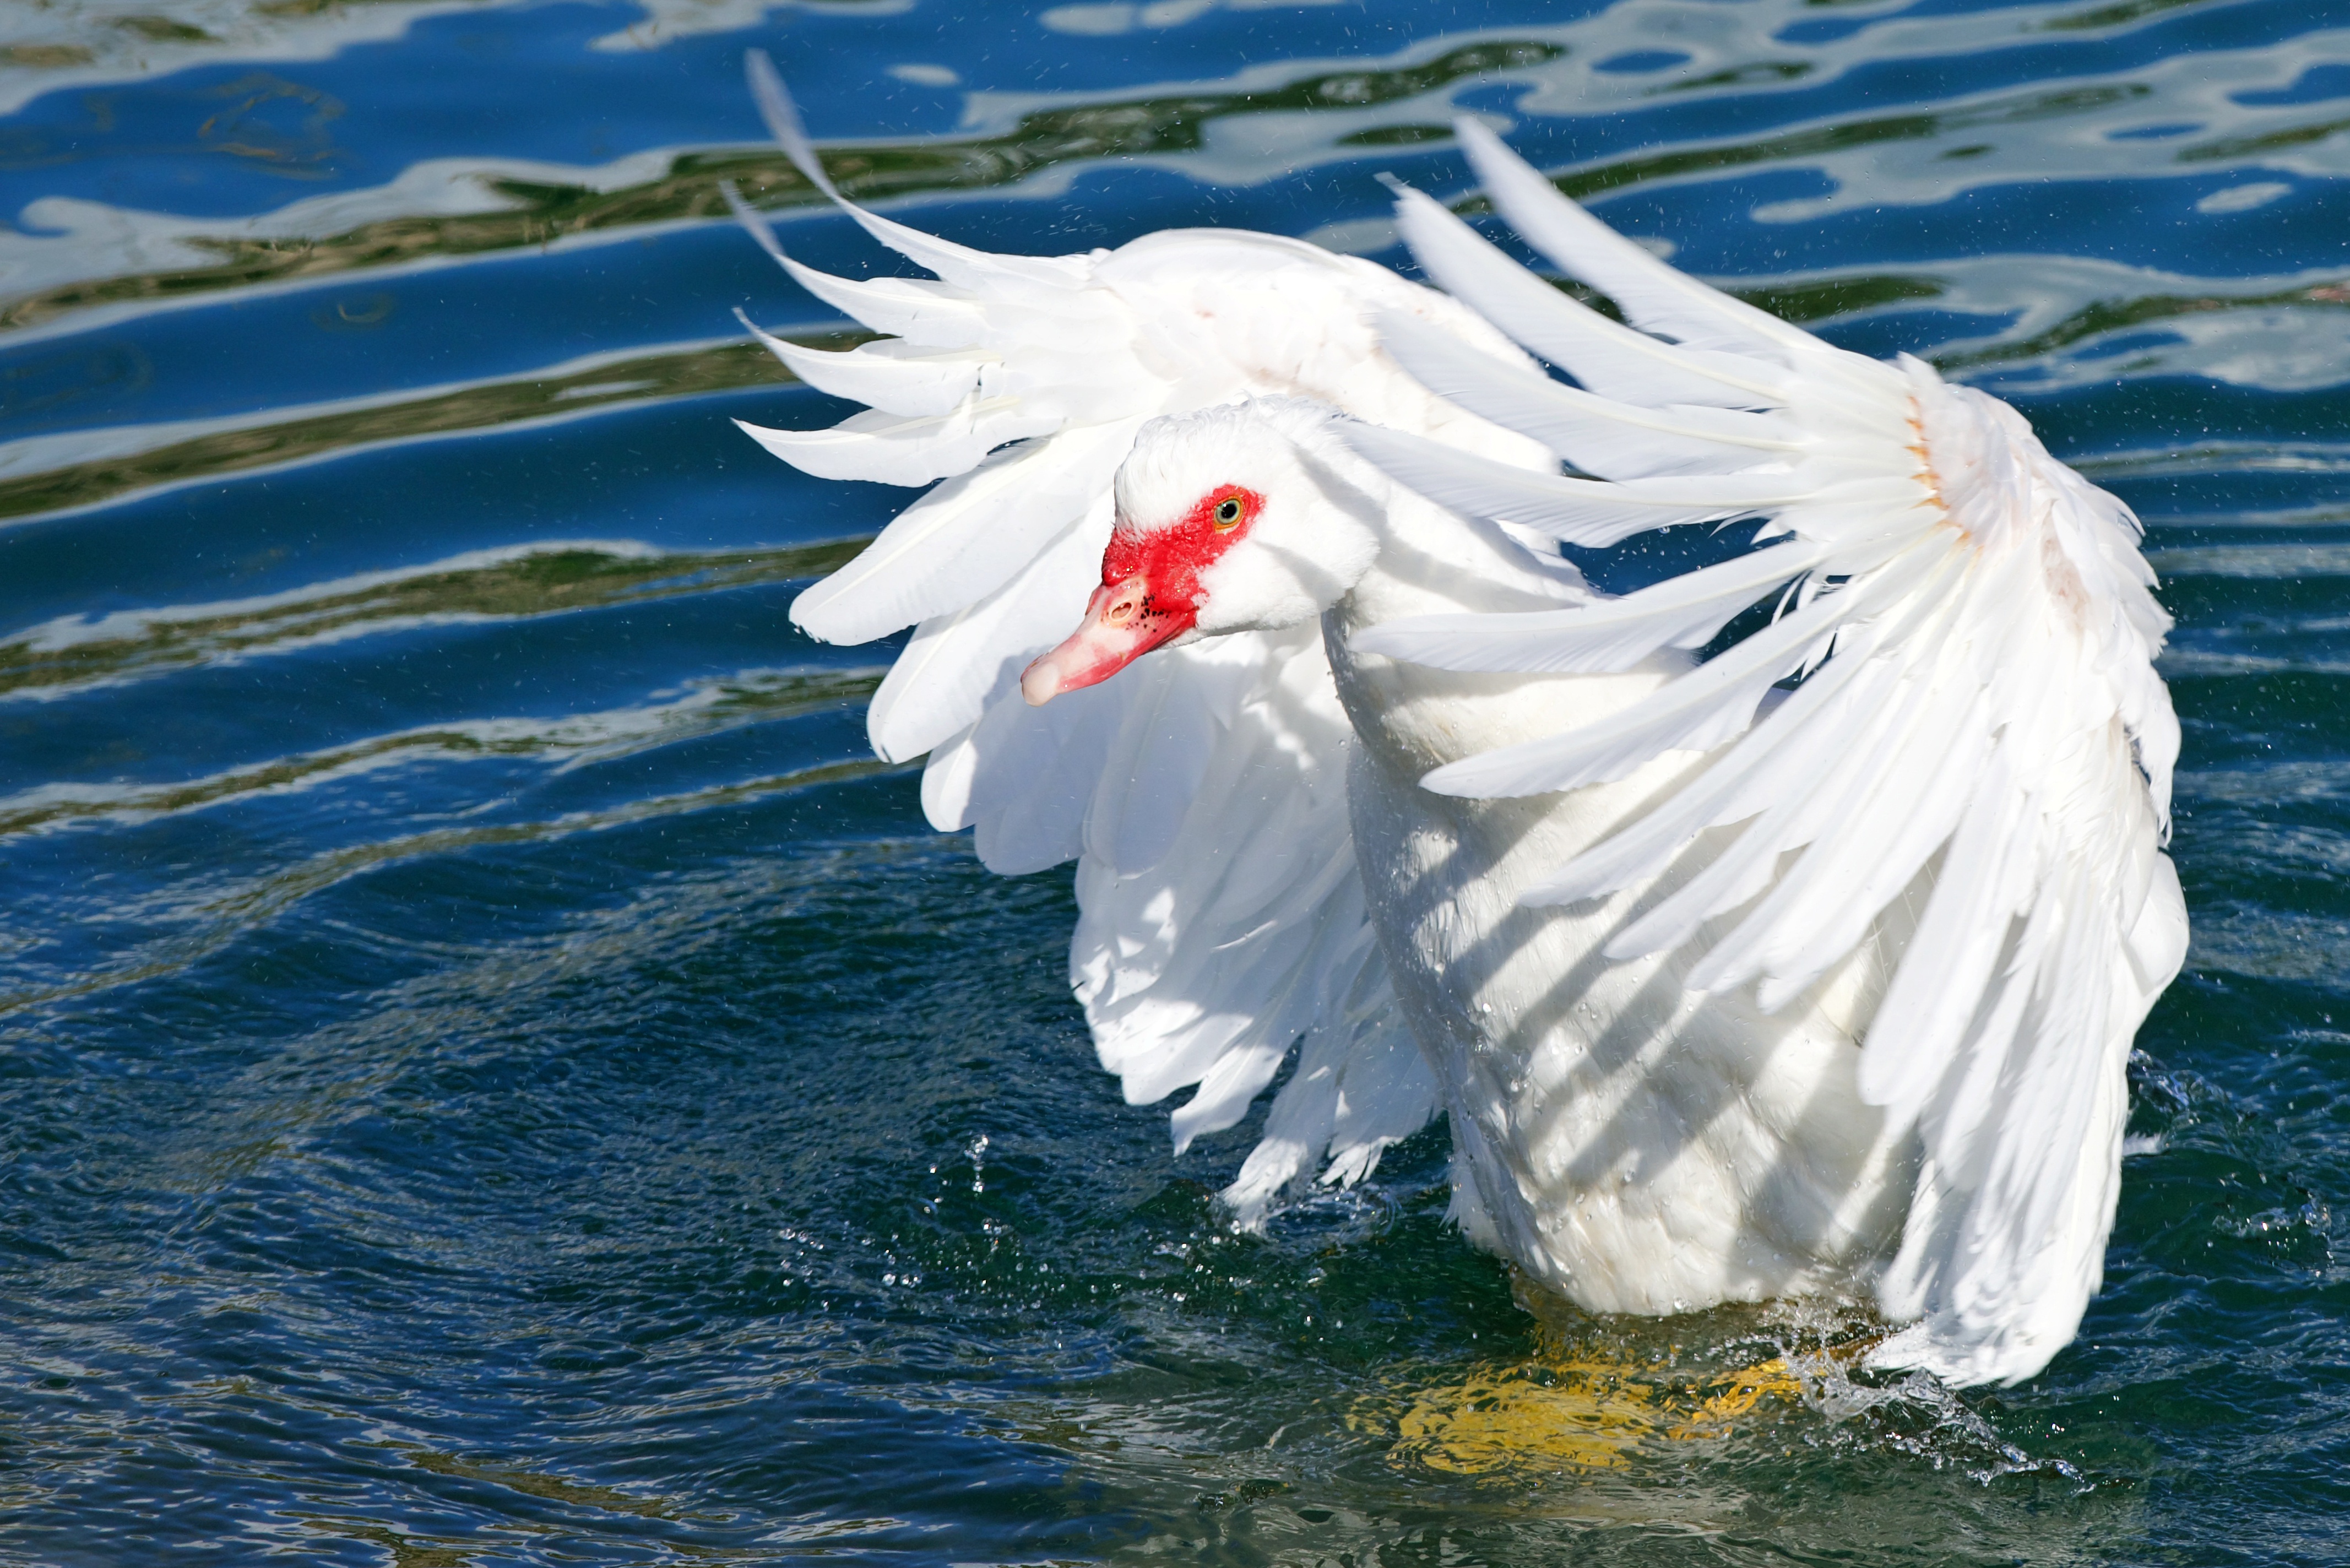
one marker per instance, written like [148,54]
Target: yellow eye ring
[1228,513]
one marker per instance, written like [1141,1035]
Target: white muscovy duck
[1808,969]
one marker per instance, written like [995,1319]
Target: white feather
[895,382]
[1940,845]
[1606,635]
[959,663]
[1653,295]
[1579,510]
[892,449]
[1203,793]
[1612,360]
[967,537]
[1986,735]
[1598,435]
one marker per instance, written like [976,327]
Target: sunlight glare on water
[496,1073]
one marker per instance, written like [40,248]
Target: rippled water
[494,1072]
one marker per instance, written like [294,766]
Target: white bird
[1810,968]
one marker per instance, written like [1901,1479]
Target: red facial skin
[1149,594]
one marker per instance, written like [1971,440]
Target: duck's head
[1246,517]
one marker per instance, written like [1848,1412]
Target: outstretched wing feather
[895,384]
[965,538]
[1612,360]
[957,664]
[1972,772]
[1605,636]
[1579,510]
[1201,794]
[1653,295]
[1598,435]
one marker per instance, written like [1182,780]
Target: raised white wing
[1969,778]
[1202,792]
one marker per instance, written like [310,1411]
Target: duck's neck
[1434,562]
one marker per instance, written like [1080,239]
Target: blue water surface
[496,1072]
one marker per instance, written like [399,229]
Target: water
[495,1074]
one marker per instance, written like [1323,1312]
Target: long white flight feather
[1196,964]
[1986,734]
[1653,295]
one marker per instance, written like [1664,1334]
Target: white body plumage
[1630,1143]
[1730,991]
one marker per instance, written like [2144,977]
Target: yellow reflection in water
[1583,1407]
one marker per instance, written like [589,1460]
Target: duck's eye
[1228,513]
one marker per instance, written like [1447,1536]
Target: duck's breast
[1633,1145]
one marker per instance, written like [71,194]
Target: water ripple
[491,1075]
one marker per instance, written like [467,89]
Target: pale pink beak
[1118,629]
